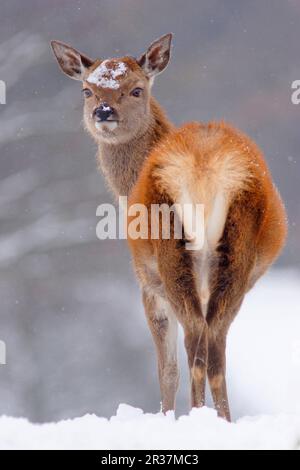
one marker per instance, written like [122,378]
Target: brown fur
[202,159]
[121,163]
[244,219]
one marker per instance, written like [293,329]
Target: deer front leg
[163,326]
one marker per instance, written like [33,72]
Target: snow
[132,429]
[263,380]
[107,73]
[264,348]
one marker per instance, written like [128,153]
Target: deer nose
[103,112]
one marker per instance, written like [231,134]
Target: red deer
[146,158]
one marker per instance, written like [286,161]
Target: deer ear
[157,57]
[72,62]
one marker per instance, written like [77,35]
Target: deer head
[116,91]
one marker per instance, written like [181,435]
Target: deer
[151,161]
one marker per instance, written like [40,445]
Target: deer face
[116,95]
[116,91]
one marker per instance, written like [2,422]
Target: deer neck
[122,163]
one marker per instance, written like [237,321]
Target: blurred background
[71,315]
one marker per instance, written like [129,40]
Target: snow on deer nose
[103,112]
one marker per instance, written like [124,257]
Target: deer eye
[87,93]
[136,92]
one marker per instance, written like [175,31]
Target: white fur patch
[105,76]
[216,220]
[204,236]
[192,218]
[213,231]
[110,125]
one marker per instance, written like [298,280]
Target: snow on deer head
[116,91]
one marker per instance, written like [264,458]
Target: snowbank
[132,429]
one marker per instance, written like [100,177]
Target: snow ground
[264,383]
[132,429]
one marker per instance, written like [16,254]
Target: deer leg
[230,281]
[222,310]
[195,340]
[176,268]
[224,304]
[163,326]
[217,374]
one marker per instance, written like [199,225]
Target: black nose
[103,112]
